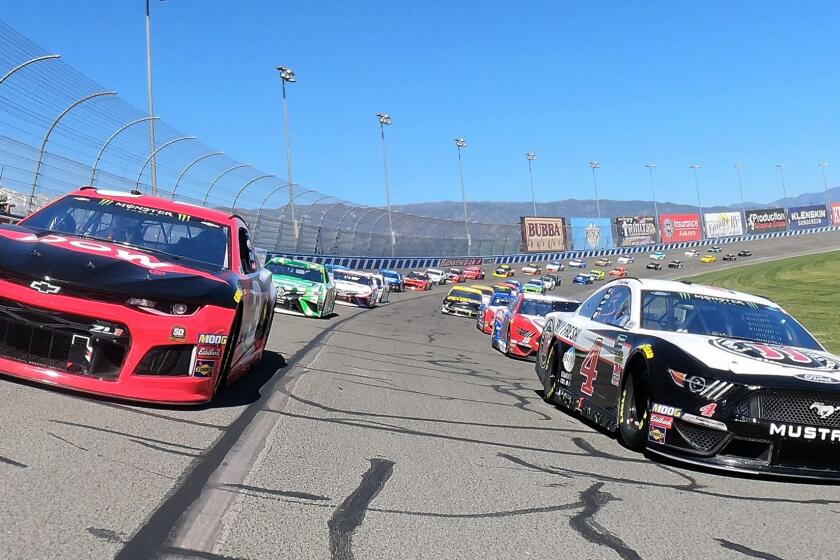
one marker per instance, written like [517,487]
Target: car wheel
[549,376]
[493,337]
[633,410]
[507,345]
[221,379]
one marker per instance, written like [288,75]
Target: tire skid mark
[136,409]
[747,551]
[691,485]
[128,435]
[67,441]
[585,524]
[106,458]
[350,515]
[483,515]
[12,462]
[245,488]
[522,403]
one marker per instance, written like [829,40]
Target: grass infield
[807,287]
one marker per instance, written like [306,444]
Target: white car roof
[695,289]
[539,297]
[435,270]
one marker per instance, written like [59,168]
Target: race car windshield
[501,300]
[543,308]
[301,272]
[720,316]
[153,229]
[352,278]
[417,276]
[466,295]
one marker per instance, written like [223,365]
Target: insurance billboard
[543,235]
[765,220]
[723,224]
[675,228]
[631,231]
[803,217]
[589,234]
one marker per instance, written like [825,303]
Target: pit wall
[421,263]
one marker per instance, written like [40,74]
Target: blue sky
[621,82]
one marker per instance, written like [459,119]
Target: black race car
[654,266]
[675,264]
[744,253]
[730,257]
[461,301]
[700,374]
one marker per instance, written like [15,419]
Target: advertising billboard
[802,217]
[835,213]
[765,220]
[631,231]
[589,234]
[543,235]
[474,261]
[675,228]
[723,224]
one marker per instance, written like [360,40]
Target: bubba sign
[675,228]
[543,234]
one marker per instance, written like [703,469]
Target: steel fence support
[152,156]
[49,132]
[189,166]
[23,65]
[242,190]
[108,142]
[219,177]
[283,216]
[303,217]
[356,227]
[262,204]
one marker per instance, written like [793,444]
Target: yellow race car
[503,271]
[708,259]
[596,274]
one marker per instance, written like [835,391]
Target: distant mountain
[510,212]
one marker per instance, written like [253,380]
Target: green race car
[303,287]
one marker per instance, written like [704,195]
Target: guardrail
[376,263]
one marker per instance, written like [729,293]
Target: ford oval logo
[817,378]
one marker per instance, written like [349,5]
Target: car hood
[744,357]
[291,284]
[347,287]
[96,269]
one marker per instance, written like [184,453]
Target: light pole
[738,168]
[822,165]
[694,167]
[385,119]
[531,157]
[150,91]
[651,167]
[286,75]
[781,167]
[595,165]
[461,143]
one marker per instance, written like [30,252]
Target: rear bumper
[146,331]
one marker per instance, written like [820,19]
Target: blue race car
[393,279]
[582,279]
[487,312]
[334,267]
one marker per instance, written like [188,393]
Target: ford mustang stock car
[487,313]
[657,256]
[132,296]
[474,273]
[486,293]
[653,266]
[517,329]
[393,279]
[619,272]
[730,257]
[505,289]
[700,374]
[603,262]
[302,286]
[692,253]
[744,253]
[577,263]
[534,287]
[550,281]
[437,275]
[675,264]
[555,266]
[597,274]
[514,284]
[356,288]
[582,279]
[455,275]
[461,301]
[714,249]
[417,281]
[531,269]
[384,292]
[626,259]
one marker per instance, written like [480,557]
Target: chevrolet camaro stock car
[417,281]
[700,374]
[132,296]
[474,273]
[302,287]
[582,279]
[503,271]
[555,266]
[437,275]
[518,327]
[487,313]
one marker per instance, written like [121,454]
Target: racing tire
[221,380]
[507,346]
[549,378]
[493,337]
[633,411]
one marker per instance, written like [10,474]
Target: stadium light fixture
[822,165]
[595,165]
[461,143]
[781,168]
[738,168]
[531,157]
[385,119]
[287,75]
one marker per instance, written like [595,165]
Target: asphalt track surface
[389,433]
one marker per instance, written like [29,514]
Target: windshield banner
[631,231]
[674,228]
[802,217]
[765,220]
[589,234]
[723,224]
[543,235]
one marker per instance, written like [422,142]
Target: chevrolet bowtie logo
[44,287]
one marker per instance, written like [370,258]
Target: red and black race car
[132,296]
[455,275]
[417,281]
[473,273]
[517,329]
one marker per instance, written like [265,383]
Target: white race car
[657,256]
[577,263]
[548,282]
[555,266]
[436,275]
[692,253]
[384,290]
[356,288]
[626,259]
